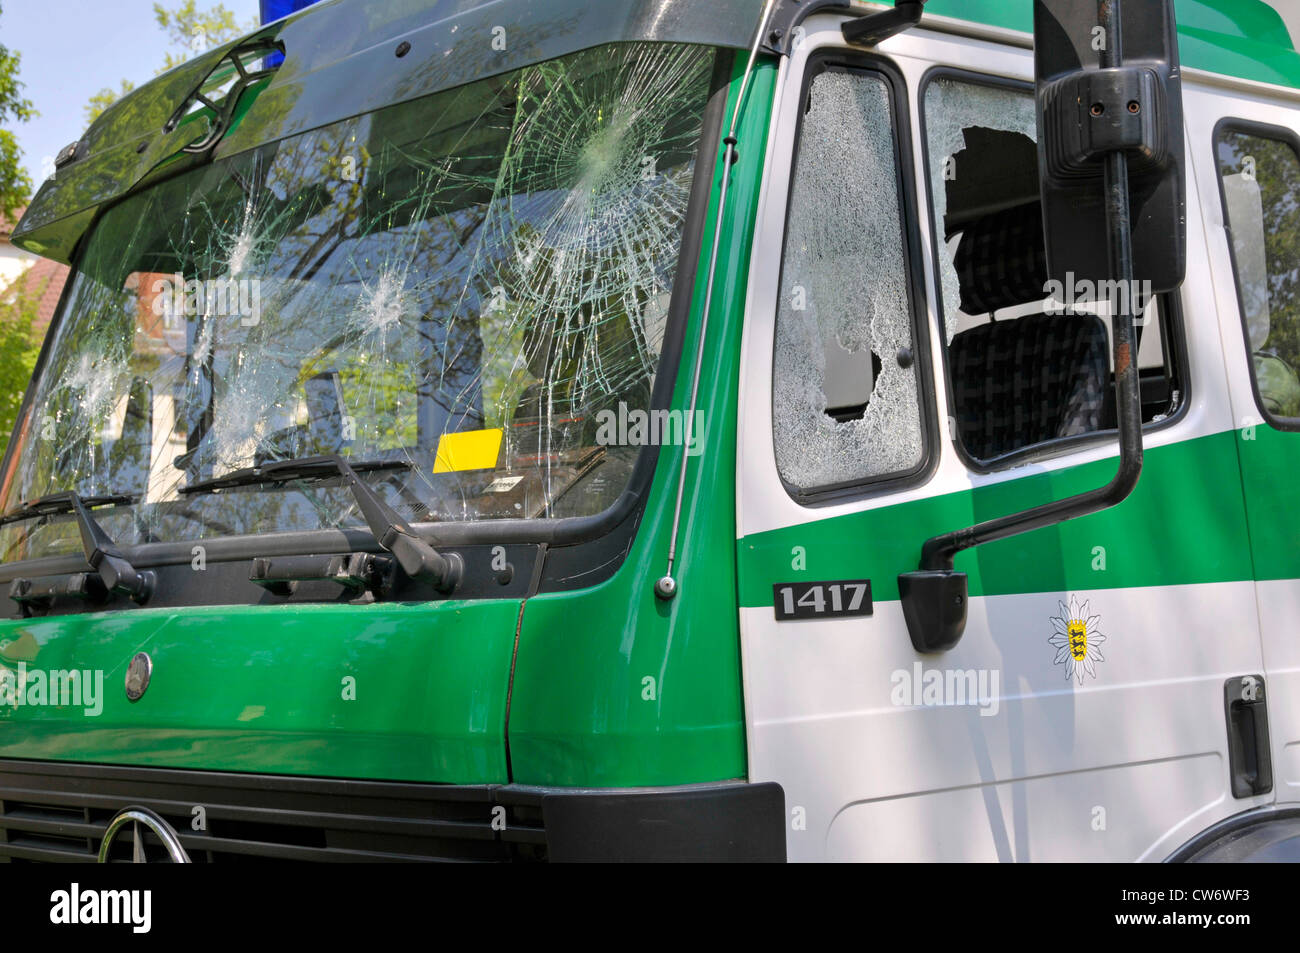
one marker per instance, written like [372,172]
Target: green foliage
[194,31]
[18,351]
[15,185]
[189,31]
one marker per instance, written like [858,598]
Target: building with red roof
[21,271]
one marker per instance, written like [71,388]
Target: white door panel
[992,822]
[1278,599]
[826,722]
[1279,610]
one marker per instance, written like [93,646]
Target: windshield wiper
[102,554]
[417,558]
[282,471]
[57,503]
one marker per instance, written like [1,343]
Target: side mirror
[1110,167]
[1091,105]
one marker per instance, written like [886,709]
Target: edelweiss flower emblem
[1077,640]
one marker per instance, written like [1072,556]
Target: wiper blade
[101,551]
[417,558]
[282,471]
[57,503]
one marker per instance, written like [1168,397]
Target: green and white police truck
[669,429]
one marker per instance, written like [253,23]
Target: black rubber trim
[1265,834]
[724,822]
[1284,136]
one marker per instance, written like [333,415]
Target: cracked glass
[455,291]
[954,110]
[845,396]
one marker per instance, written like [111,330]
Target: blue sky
[71,49]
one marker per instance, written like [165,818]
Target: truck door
[1248,169]
[904,376]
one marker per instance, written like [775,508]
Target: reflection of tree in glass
[1277,170]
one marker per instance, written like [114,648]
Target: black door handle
[1249,760]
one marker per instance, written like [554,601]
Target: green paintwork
[257,688]
[1184,523]
[579,715]
[1245,38]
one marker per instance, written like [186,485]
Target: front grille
[58,812]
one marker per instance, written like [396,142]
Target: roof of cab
[1243,38]
[339,59]
[347,46]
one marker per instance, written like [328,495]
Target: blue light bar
[274,9]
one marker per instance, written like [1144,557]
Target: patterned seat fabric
[1001,260]
[1017,383]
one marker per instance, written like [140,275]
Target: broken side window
[1029,360]
[845,399]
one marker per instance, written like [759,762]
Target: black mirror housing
[934,605]
[1089,108]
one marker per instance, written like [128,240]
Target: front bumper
[54,811]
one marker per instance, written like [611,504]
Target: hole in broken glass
[842,412]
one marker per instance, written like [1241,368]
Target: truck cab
[497,432]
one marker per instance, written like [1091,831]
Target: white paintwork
[1145,741]
[1279,610]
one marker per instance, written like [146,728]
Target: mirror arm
[937,552]
[934,597]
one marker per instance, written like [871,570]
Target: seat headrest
[1001,260]
[1034,379]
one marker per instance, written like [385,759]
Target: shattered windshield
[467,289]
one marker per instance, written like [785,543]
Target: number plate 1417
[820,600]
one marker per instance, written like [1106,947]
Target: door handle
[1249,760]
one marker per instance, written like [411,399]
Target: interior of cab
[1025,367]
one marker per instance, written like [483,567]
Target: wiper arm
[101,551]
[417,558]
